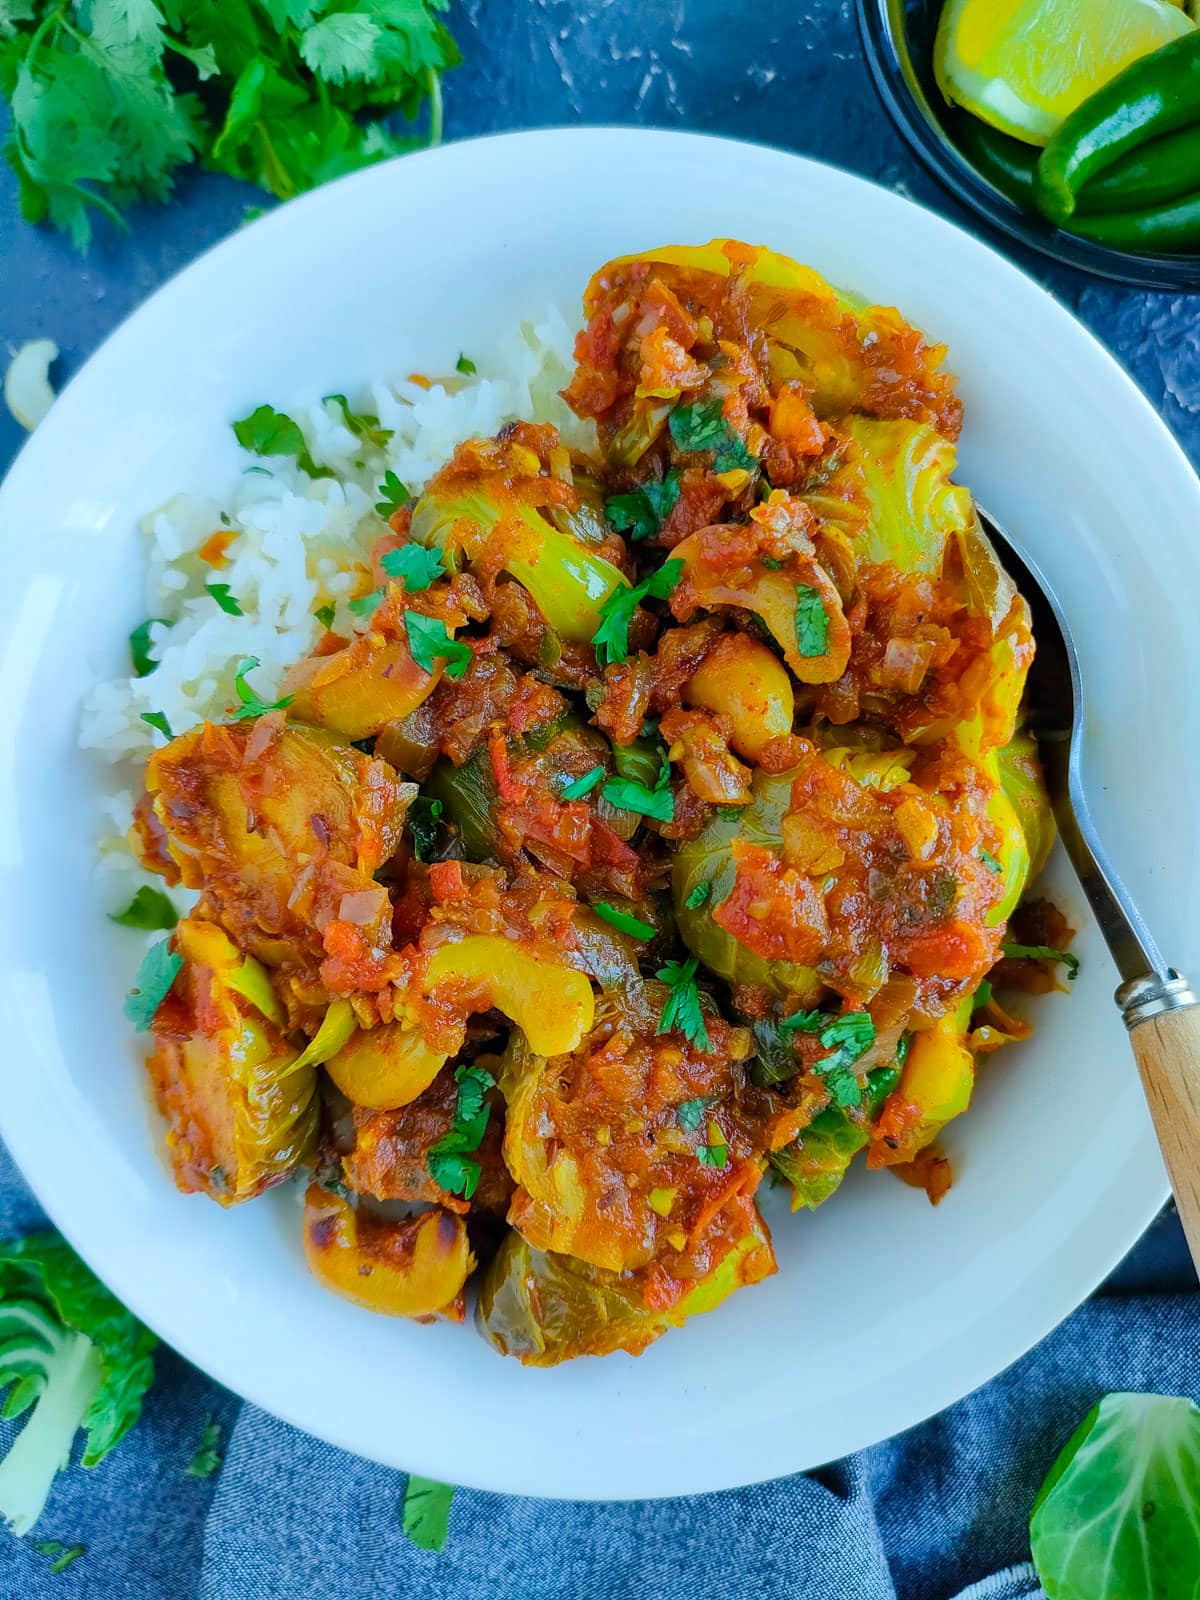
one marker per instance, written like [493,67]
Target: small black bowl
[898,40]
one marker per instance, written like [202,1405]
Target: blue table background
[785,74]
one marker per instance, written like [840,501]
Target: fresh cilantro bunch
[109,98]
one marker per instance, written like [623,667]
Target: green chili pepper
[1172,228]
[1153,96]
[1164,169]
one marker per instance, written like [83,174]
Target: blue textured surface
[942,1506]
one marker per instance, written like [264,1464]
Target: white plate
[884,1310]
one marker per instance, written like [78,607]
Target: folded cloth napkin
[939,1512]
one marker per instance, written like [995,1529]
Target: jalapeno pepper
[1165,169]
[1154,96]
[1167,229]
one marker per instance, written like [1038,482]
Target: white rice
[299,543]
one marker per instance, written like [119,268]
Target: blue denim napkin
[941,1511]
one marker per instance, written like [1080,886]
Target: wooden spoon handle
[1167,1048]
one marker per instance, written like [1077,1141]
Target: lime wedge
[1023,65]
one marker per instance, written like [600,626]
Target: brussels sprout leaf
[1119,1512]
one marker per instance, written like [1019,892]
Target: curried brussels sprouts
[741,679]
[709,859]
[1020,771]
[544,1308]
[385,1067]
[819,1158]
[239,1104]
[935,1086]
[416,1268]
[550,1003]
[283,827]
[498,488]
[358,690]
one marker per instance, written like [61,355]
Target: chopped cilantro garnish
[623,921]
[700,895]
[771,563]
[366,605]
[642,512]
[583,786]
[158,971]
[429,643]
[989,860]
[392,495]
[812,621]
[207,1458]
[220,593]
[805,1021]
[611,638]
[1043,952]
[466,366]
[273,433]
[452,1164]
[702,426]
[414,566]
[844,1088]
[64,1554]
[630,795]
[426,1515]
[712,1155]
[324,615]
[690,1113]
[139,647]
[363,424]
[682,1009]
[157,720]
[149,909]
[251,705]
[422,820]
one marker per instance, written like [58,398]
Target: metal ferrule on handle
[1150,996]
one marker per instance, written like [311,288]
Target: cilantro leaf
[1043,952]
[812,621]
[682,1009]
[700,895]
[415,566]
[712,1155]
[207,1458]
[805,1021]
[422,818]
[220,593]
[583,786]
[426,1515]
[690,1113]
[251,705]
[702,426]
[990,861]
[429,643]
[158,971]
[623,921]
[64,1554]
[156,719]
[363,424]
[393,494]
[466,366]
[139,647]
[149,910]
[451,1161]
[611,638]
[366,605]
[325,616]
[268,432]
[630,795]
[341,47]
[851,1035]
[844,1088]
[642,512]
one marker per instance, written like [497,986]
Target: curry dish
[657,832]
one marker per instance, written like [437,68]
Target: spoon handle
[1164,1030]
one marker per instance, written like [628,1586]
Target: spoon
[1156,1003]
